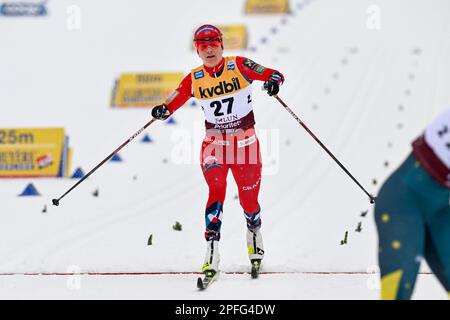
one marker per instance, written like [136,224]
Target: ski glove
[273,84]
[160,112]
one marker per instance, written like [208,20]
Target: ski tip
[200,284]
[256,265]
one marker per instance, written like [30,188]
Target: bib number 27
[218,106]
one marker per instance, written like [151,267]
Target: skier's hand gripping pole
[371,197]
[56,201]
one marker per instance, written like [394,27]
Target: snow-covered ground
[366,93]
[182,287]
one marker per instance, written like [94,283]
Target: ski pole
[56,201]
[372,198]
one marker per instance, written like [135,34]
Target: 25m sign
[33,152]
[14,137]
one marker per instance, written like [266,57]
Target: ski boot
[255,250]
[210,267]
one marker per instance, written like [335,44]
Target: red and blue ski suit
[230,143]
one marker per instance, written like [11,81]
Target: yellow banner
[33,152]
[144,89]
[69,162]
[234,36]
[267,6]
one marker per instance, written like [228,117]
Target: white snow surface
[343,79]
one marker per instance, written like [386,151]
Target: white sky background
[345,78]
